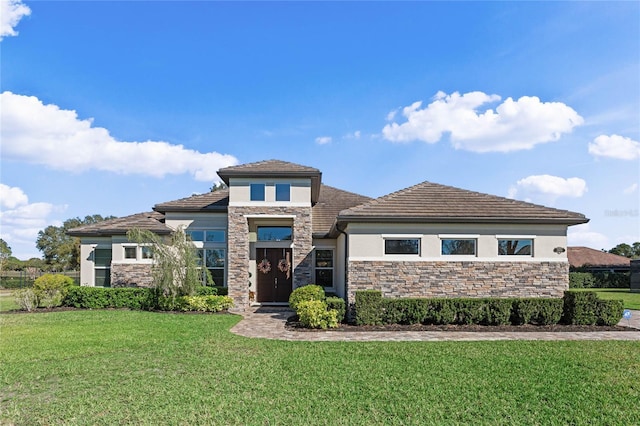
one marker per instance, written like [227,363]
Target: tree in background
[175,270]
[60,251]
[626,250]
[5,254]
[219,186]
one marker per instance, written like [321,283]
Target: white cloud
[514,125]
[45,134]
[631,188]
[547,188]
[20,220]
[582,235]
[392,115]
[615,146]
[323,140]
[11,12]
[354,135]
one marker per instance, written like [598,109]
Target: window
[402,246]
[515,247]
[274,233]
[215,236]
[257,191]
[130,253]
[102,267]
[283,192]
[459,247]
[196,235]
[213,261]
[146,252]
[324,268]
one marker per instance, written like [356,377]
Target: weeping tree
[175,268]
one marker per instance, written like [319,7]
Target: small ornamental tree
[175,266]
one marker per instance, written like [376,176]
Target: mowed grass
[7,301]
[630,300]
[117,367]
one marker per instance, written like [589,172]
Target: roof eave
[449,219]
[160,209]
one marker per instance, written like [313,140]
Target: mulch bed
[294,325]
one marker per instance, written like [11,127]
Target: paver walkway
[269,323]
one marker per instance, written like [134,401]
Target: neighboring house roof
[216,201]
[585,256]
[330,203]
[275,169]
[151,221]
[431,202]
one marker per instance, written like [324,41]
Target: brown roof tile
[151,221]
[330,202]
[211,201]
[431,202]
[270,167]
[585,256]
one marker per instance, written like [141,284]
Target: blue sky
[111,107]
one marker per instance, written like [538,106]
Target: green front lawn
[7,301]
[118,366]
[630,300]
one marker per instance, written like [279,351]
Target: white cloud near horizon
[631,188]
[615,146]
[20,220]
[582,236]
[11,12]
[513,125]
[323,140]
[547,188]
[46,134]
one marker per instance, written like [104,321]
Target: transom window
[324,268]
[274,233]
[453,247]
[210,236]
[520,247]
[283,192]
[257,191]
[402,246]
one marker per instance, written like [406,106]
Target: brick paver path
[268,323]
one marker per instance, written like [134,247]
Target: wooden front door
[274,285]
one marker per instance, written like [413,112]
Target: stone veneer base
[131,275]
[458,279]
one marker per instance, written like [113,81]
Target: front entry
[275,274]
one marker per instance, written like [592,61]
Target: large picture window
[213,260]
[402,246]
[102,267]
[324,268]
[520,247]
[453,247]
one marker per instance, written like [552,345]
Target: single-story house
[277,227]
[591,260]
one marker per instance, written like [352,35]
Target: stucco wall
[239,192]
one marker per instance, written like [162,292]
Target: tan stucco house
[278,227]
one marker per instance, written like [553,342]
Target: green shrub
[101,298]
[26,298]
[580,308]
[339,305]
[581,280]
[470,311]
[168,303]
[87,298]
[609,311]
[537,311]
[368,307]
[314,314]
[222,291]
[206,291]
[305,293]
[51,289]
[210,303]
[604,279]
[498,311]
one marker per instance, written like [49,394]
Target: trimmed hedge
[305,293]
[599,279]
[338,304]
[143,299]
[314,314]
[575,308]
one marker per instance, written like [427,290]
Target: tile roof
[585,256]
[211,202]
[268,166]
[330,202]
[151,221]
[431,202]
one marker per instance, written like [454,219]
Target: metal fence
[25,278]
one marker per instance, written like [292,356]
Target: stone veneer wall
[458,279]
[131,275]
[238,248]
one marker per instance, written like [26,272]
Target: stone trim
[458,279]
[131,275]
